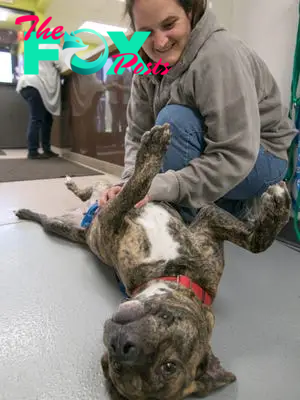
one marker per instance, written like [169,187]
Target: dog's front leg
[148,162]
[256,237]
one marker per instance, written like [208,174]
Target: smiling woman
[179,20]
[230,130]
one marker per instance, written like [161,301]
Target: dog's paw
[278,194]
[16,212]
[68,180]
[70,184]
[277,200]
[26,214]
[157,139]
[21,213]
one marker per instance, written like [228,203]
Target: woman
[230,133]
[42,93]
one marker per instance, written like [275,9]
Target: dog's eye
[167,317]
[168,369]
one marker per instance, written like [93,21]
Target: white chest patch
[155,289]
[155,221]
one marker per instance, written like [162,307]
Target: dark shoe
[37,156]
[51,153]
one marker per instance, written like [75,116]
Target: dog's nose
[123,349]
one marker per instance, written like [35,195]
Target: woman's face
[169,25]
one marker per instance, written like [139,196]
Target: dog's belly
[162,245]
[148,238]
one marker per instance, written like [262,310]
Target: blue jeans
[40,121]
[187,143]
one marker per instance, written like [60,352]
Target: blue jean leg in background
[40,121]
[187,143]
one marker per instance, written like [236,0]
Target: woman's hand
[109,194]
[112,192]
[143,202]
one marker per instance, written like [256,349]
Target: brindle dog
[159,342]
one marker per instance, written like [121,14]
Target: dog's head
[158,347]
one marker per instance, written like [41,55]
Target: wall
[92,46]
[29,5]
[39,7]
[14,118]
[223,10]
[268,26]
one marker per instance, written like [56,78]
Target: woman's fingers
[109,194]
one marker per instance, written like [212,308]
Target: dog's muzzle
[123,344]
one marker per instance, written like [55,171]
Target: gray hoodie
[241,104]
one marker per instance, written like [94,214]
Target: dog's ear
[112,391]
[211,375]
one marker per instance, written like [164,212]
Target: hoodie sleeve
[223,88]
[140,118]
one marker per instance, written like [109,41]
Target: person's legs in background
[36,117]
[40,121]
[187,143]
[46,134]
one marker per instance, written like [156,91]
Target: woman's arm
[223,87]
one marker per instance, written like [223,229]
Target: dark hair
[195,7]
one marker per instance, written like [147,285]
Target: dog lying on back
[158,343]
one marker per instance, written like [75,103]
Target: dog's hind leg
[60,226]
[256,237]
[148,162]
[83,194]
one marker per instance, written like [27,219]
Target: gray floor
[55,297]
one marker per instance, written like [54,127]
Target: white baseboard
[98,165]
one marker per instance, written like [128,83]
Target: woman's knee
[181,118]
[187,140]
[268,170]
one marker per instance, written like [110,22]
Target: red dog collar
[189,284]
